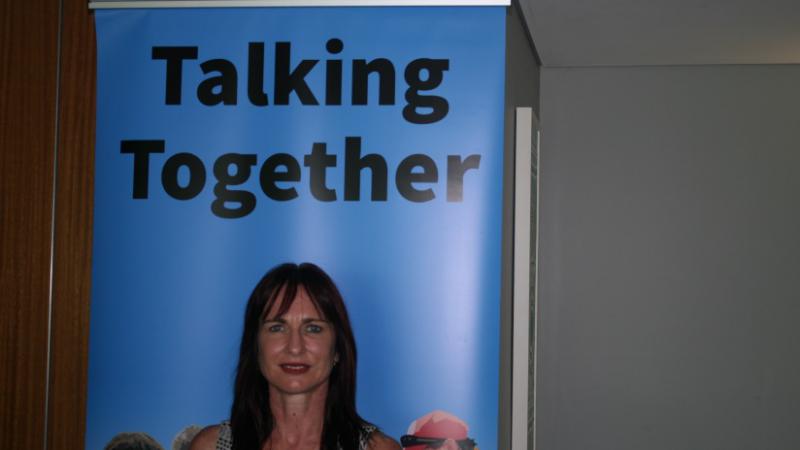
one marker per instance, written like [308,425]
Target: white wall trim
[521,286]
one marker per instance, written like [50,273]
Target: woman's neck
[299,419]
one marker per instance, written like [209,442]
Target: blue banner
[368,141]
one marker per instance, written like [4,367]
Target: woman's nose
[296,343]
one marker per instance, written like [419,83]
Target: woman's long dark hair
[252,421]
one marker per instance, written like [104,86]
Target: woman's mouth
[295,369]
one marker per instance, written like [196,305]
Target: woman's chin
[297,387]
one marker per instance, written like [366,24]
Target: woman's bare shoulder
[379,441]
[206,439]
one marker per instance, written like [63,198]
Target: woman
[296,378]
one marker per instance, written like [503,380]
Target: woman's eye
[314,328]
[275,328]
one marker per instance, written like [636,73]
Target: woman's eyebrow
[312,319]
[281,319]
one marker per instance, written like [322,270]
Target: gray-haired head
[133,441]
[184,438]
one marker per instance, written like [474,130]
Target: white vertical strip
[521,285]
[56,133]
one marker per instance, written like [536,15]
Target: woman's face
[296,350]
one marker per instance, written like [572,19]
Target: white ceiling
[664,32]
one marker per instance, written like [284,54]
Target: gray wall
[670,258]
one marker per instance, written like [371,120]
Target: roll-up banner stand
[365,139]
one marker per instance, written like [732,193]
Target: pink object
[438,424]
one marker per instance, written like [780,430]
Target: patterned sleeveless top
[225,439]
